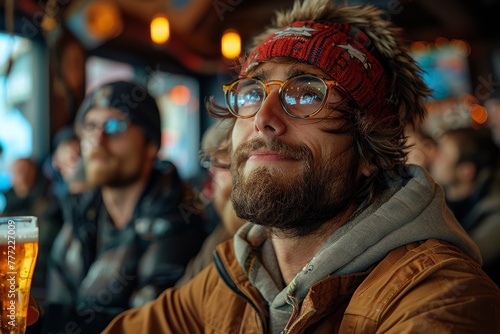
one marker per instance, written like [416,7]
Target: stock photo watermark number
[11,274]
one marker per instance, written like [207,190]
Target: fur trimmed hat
[356,47]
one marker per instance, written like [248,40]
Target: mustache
[291,151]
[99,153]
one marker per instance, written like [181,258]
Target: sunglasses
[111,127]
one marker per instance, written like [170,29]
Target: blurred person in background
[30,195]
[467,166]
[68,172]
[67,164]
[422,150]
[492,106]
[131,236]
[216,152]
[28,189]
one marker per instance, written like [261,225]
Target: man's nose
[95,138]
[270,119]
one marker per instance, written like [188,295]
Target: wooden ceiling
[197,25]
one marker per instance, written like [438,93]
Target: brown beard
[107,174]
[295,203]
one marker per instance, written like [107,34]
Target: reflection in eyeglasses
[111,127]
[301,96]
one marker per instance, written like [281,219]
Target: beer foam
[20,232]
[26,236]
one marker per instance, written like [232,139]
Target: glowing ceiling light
[160,29]
[103,20]
[231,44]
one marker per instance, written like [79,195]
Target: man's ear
[466,171]
[152,149]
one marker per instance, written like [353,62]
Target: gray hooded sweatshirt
[412,209]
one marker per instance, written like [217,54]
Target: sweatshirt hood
[413,208]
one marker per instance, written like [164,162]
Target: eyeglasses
[301,96]
[213,162]
[216,163]
[111,127]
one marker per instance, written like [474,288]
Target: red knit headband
[340,50]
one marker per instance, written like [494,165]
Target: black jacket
[97,271]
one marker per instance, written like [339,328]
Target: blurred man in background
[492,106]
[216,152]
[467,166]
[423,147]
[30,196]
[66,164]
[132,236]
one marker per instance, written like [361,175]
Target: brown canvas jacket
[426,287]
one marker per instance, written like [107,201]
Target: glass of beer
[19,245]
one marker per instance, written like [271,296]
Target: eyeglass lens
[111,127]
[217,162]
[220,163]
[301,96]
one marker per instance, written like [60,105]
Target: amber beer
[19,249]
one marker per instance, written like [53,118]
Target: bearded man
[342,236]
[130,238]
